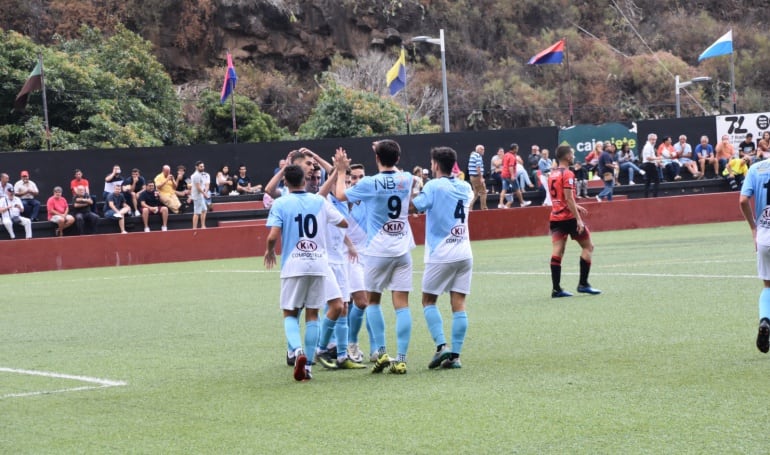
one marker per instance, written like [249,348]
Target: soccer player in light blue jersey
[448,257]
[388,244]
[335,322]
[299,219]
[756,186]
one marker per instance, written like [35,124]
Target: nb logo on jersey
[458,231]
[393,227]
[307,246]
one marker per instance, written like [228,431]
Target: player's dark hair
[294,176]
[356,166]
[562,152]
[388,151]
[445,157]
[296,155]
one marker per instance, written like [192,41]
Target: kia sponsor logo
[458,231]
[393,227]
[307,246]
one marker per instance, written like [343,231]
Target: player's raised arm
[341,164]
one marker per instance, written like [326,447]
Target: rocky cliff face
[299,38]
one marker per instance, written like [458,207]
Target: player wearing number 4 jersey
[448,257]
[388,244]
[756,186]
[299,219]
[566,221]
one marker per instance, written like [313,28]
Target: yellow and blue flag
[396,76]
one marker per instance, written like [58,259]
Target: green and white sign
[583,138]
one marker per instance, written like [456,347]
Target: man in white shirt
[10,211]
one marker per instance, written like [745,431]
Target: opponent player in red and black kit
[566,221]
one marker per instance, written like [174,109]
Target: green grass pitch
[662,362]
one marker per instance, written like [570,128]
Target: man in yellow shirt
[736,171]
[166,185]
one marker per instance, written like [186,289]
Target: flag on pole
[554,54]
[34,82]
[230,79]
[396,76]
[722,46]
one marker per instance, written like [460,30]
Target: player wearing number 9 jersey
[756,186]
[388,244]
[448,256]
[299,219]
[567,221]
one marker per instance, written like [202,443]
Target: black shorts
[562,229]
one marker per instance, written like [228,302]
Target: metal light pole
[440,42]
[681,85]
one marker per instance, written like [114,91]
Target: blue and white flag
[722,46]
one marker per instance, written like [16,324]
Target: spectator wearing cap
[425,175]
[10,213]
[27,191]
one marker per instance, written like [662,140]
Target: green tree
[343,112]
[253,124]
[102,92]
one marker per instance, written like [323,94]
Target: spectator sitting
[131,188]
[626,160]
[747,148]
[182,188]
[668,156]
[685,156]
[495,167]
[544,170]
[522,176]
[112,179]
[592,159]
[225,184]
[725,151]
[117,208]
[704,154]
[79,180]
[10,210]
[762,149]
[166,186]
[736,171]
[59,212]
[27,191]
[81,207]
[532,161]
[425,176]
[5,185]
[243,182]
[581,181]
[149,201]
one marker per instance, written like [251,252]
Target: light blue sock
[435,324]
[764,304]
[291,328]
[403,331]
[327,329]
[355,319]
[369,331]
[341,333]
[311,340]
[375,318]
[459,327]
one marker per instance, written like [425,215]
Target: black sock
[585,267]
[454,355]
[440,347]
[556,272]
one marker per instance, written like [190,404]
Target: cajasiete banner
[583,138]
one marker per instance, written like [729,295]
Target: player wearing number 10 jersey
[567,221]
[299,219]
[757,186]
[388,244]
[448,256]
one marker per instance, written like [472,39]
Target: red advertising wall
[106,250]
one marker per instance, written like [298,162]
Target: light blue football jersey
[303,219]
[386,197]
[756,185]
[446,201]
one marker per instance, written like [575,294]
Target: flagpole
[732,81]
[45,102]
[232,104]
[406,99]
[569,81]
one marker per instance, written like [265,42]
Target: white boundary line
[548,273]
[99,382]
